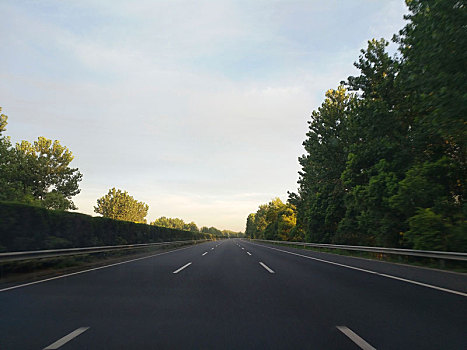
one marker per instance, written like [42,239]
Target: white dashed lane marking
[266,267]
[66,338]
[183,267]
[355,338]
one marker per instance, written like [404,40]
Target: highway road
[237,294]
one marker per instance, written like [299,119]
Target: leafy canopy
[119,205]
[175,223]
[385,153]
[37,173]
[275,220]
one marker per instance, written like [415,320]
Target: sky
[197,108]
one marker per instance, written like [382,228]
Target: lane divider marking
[181,268]
[355,338]
[204,253]
[248,253]
[66,338]
[266,267]
[93,269]
[369,271]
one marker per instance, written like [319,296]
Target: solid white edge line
[66,338]
[93,269]
[369,271]
[355,338]
[266,267]
[204,253]
[248,253]
[181,268]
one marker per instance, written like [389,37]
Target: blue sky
[197,108]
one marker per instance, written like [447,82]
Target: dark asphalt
[227,300]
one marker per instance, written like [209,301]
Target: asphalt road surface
[236,294]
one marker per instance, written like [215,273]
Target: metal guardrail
[50,253]
[395,251]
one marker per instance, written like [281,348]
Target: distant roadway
[237,294]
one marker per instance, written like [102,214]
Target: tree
[320,198]
[3,121]
[175,223]
[433,80]
[192,227]
[275,220]
[37,173]
[119,205]
[162,222]
[378,152]
[229,233]
[214,231]
[5,161]
[43,168]
[386,164]
[250,230]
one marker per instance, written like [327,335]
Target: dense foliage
[181,225]
[24,227]
[385,154]
[275,220]
[176,223]
[119,205]
[37,173]
[231,234]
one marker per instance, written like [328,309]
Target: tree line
[385,153]
[275,220]
[119,205]
[179,224]
[39,174]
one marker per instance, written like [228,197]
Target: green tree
[162,222]
[250,230]
[211,230]
[117,204]
[175,223]
[229,233]
[386,164]
[5,161]
[433,80]
[275,221]
[37,173]
[3,121]
[379,151]
[43,168]
[192,227]
[214,231]
[261,221]
[286,223]
[320,197]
